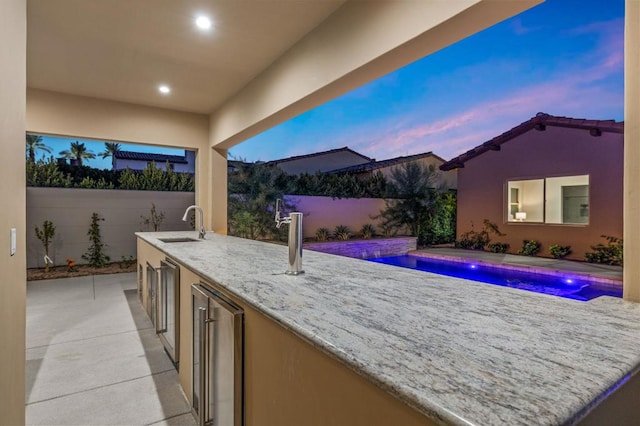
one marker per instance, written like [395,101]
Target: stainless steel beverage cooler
[217,355]
[152,278]
[168,308]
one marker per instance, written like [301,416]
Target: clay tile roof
[315,154]
[144,156]
[540,121]
[375,165]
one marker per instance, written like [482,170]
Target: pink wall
[554,152]
[326,212]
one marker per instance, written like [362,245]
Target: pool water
[568,286]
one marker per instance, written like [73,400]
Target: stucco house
[140,160]
[323,161]
[557,180]
[446,179]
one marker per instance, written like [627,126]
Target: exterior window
[172,166]
[526,200]
[558,200]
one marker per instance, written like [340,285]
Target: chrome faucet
[294,220]
[202,232]
[279,219]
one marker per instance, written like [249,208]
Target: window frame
[508,205]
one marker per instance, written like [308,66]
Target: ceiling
[123,49]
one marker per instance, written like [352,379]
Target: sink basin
[178,240]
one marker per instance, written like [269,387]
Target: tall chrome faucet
[201,232]
[294,220]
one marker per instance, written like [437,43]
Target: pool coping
[607,281]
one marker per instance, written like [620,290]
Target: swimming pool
[568,286]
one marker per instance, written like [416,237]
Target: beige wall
[323,163]
[326,212]
[70,210]
[554,152]
[12,214]
[632,151]
[67,115]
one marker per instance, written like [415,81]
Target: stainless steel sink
[178,240]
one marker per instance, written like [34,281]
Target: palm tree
[34,143]
[77,153]
[110,149]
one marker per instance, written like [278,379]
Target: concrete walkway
[598,272]
[93,357]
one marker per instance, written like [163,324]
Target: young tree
[34,143]
[95,254]
[78,152]
[45,235]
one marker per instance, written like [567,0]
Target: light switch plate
[13,241]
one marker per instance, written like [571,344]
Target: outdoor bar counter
[457,351]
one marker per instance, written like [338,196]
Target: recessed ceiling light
[203,22]
[164,89]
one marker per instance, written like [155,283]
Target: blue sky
[563,57]
[58,144]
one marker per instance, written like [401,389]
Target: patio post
[632,151]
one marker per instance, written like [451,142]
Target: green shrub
[46,174]
[558,252]
[242,224]
[126,261]
[498,247]
[342,233]
[529,247]
[441,228]
[322,234]
[610,254]
[368,231]
[51,174]
[478,240]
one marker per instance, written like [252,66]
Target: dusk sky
[563,57]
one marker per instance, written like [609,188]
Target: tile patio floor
[93,357]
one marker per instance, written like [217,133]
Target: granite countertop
[459,351]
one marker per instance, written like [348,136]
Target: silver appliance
[217,356]
[140,278]
[152,277]
[168,308]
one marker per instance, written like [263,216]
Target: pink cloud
[575,92]
[457,133]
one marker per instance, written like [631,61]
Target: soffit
[122,49]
